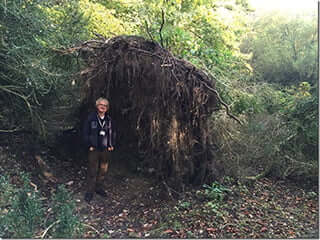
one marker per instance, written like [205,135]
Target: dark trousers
[98,163]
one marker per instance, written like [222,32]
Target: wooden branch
[161,27]
[168,189]
[223,103]
[201,38]
[74,49]
[48,228]
[92,228]
[145,52]
[10,131]
[259,176]
[148,32]
[34,186]
[100,36]
[24,98]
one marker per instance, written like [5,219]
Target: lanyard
[104,121]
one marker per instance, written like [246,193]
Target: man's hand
[110,149]
[91,149]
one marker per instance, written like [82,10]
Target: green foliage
[30,31]
[184,205]
[283,49]
[271,87]
[6,190]
[36,75]
[215,191]
[22,211]
[263,146]
[68,23]
[194,30]
[301,114]
[214,207]
[103,19]
[26,212]
[68,225]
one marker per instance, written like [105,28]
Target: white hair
[99,100]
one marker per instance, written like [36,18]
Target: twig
[145,52]
[226,225]
[74,49]
[10,131]
[92,228]
[161,26]
[48,228]
[24,98]
[201,38]
[223,103]
[35,186]
[168,189]
[148,32]
[100,36]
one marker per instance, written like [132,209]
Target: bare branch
[102,38]
[10,131]
[223,103]
[48,228]
[89,226]
[148,31]
[161,27]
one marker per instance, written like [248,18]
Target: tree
[31,78]
[283,49]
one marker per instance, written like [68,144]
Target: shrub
[67,223]
[215,191]
[22,212]
[25,213]
[262,146]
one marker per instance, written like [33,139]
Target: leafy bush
[25,214]
[30,84]
[283,48]
[22,212]
[301,115]
[215,191]
[262,146]
[67,224]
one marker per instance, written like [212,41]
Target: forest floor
[140,207]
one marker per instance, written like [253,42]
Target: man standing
[99,137]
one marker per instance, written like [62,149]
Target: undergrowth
[262,146]
[23,211]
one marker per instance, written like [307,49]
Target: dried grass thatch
[161,104]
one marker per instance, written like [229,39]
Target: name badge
[102,133]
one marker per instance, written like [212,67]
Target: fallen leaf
[69,183]
[147,226]
[211,229]
[263,229]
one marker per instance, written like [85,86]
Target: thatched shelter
[161,104]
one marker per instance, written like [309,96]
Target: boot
[88,197]
[101,192]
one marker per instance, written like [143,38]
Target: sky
[284,5]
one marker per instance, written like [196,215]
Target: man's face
[102,107]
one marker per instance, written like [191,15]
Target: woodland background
[265,66]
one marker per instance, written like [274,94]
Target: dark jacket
[91,129]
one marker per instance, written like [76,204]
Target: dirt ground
[139,206]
